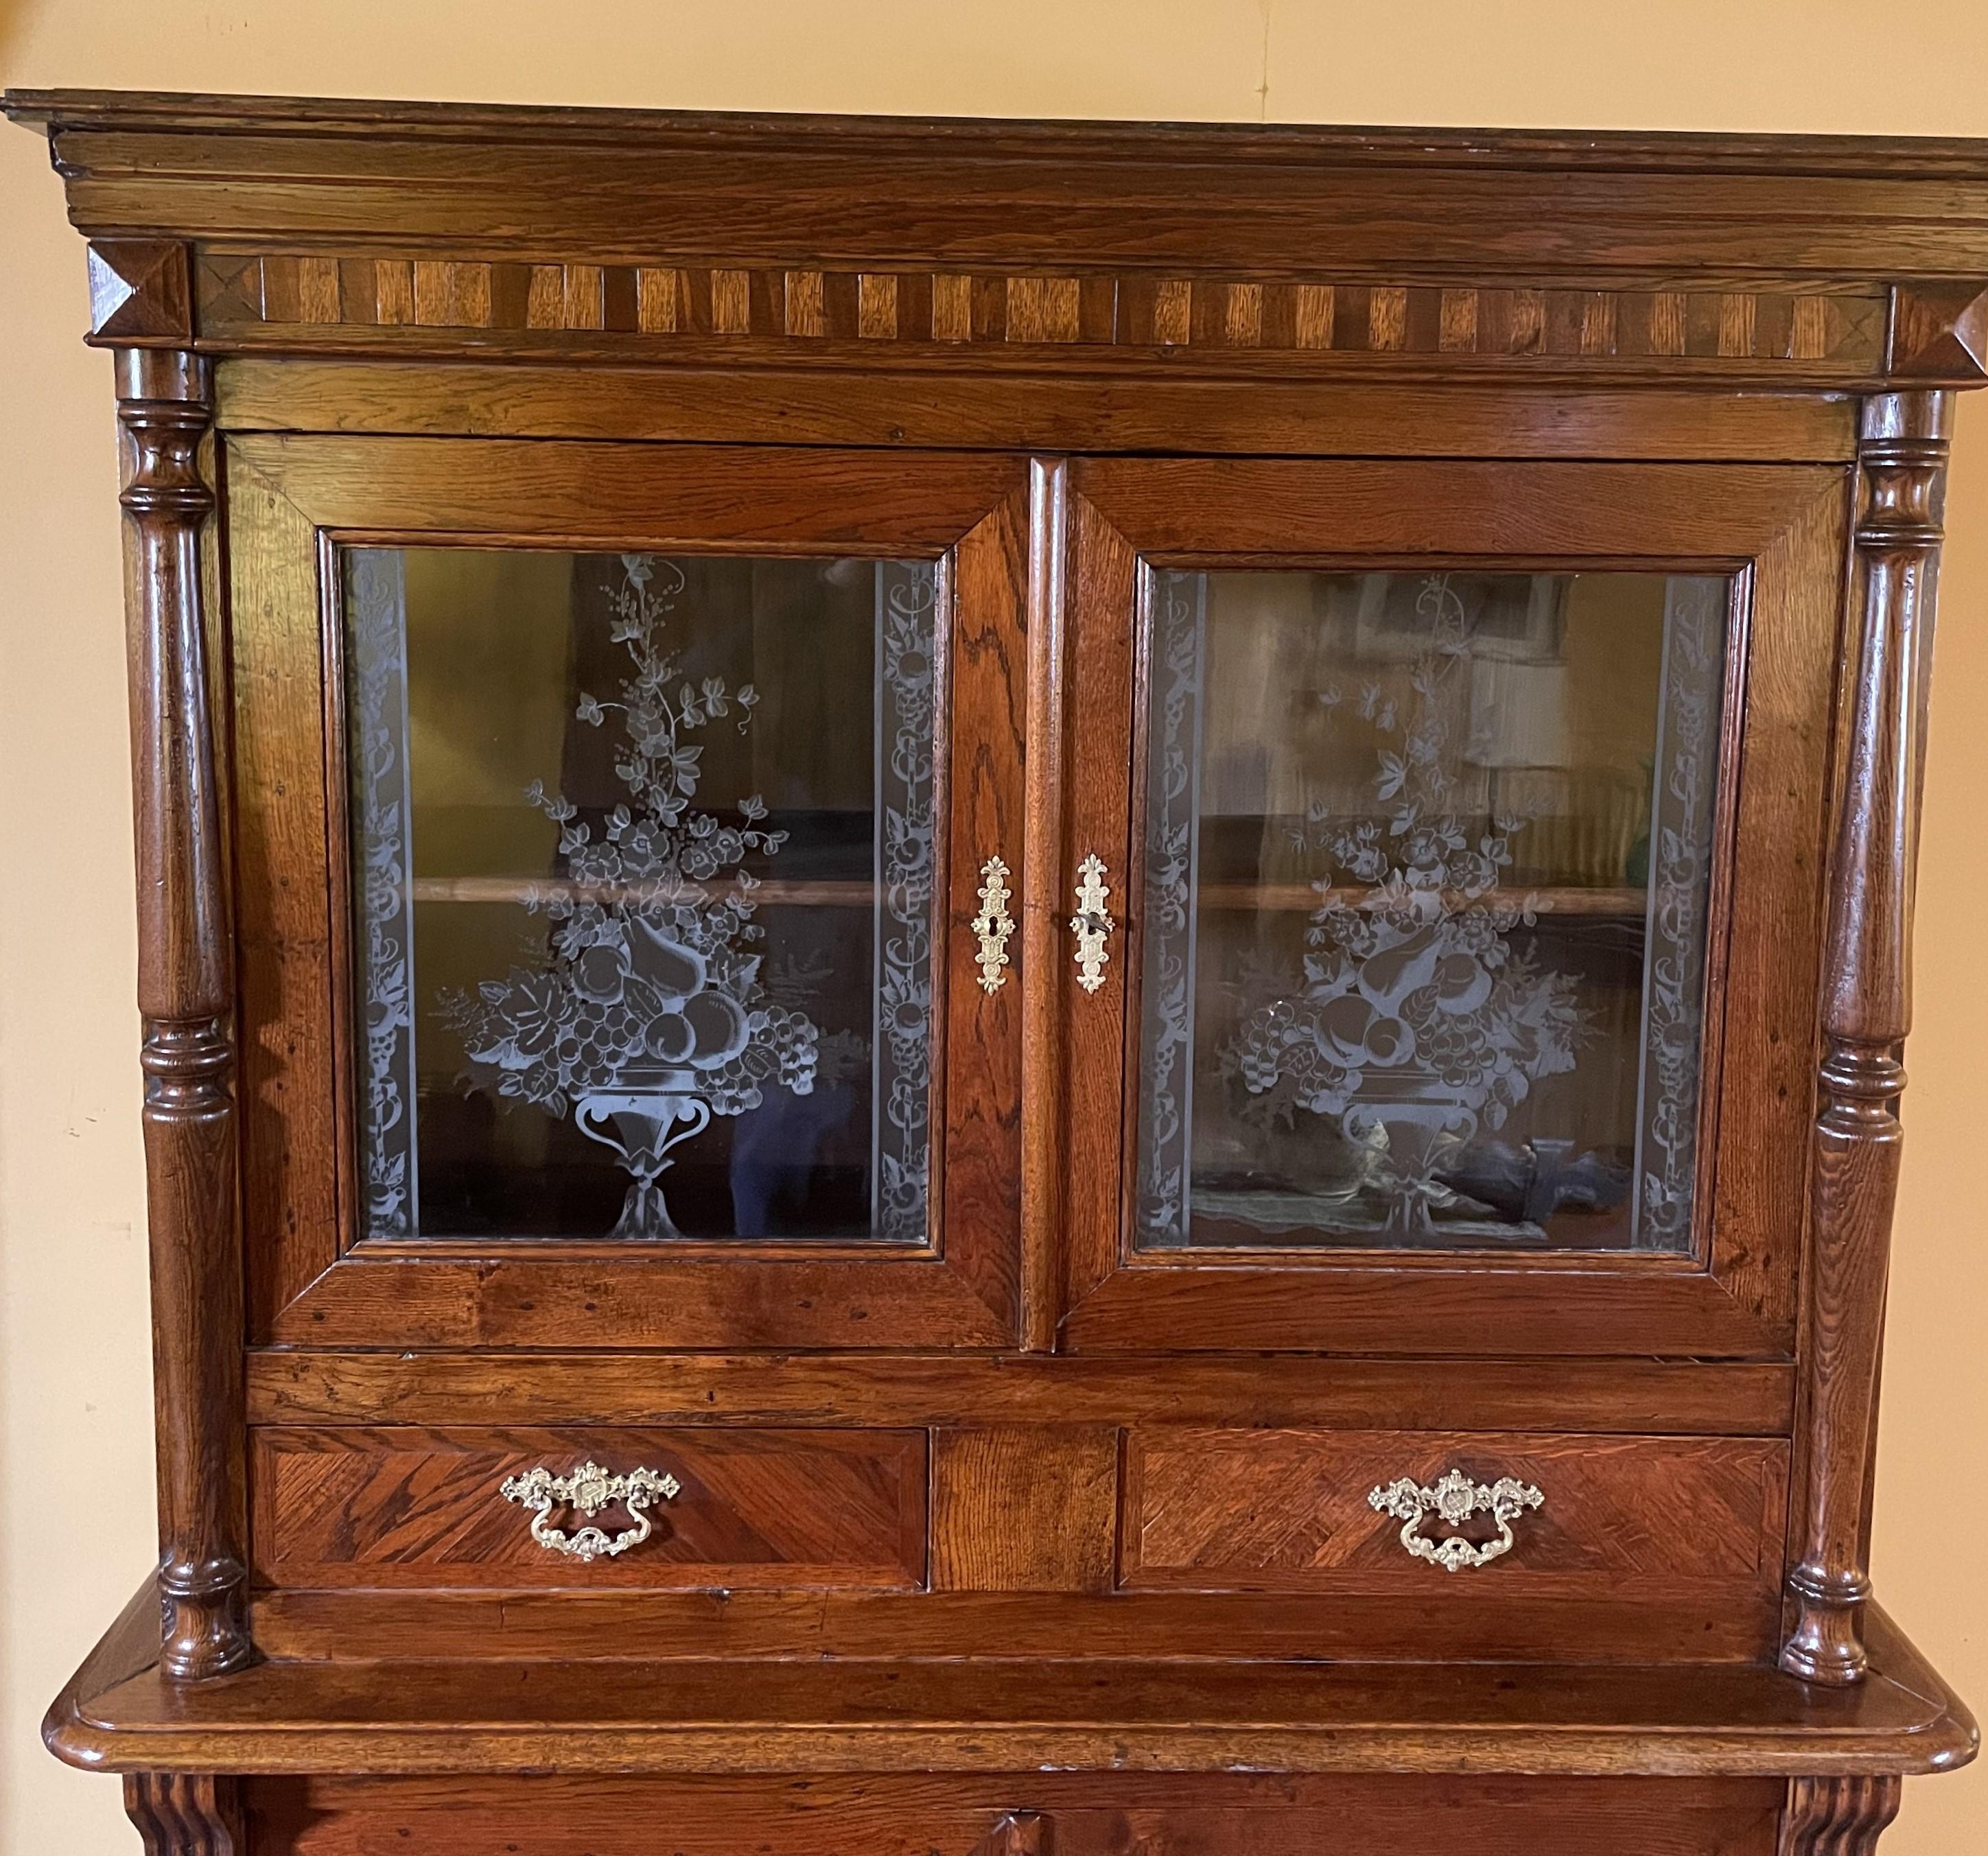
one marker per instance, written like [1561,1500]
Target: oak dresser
[1018,990]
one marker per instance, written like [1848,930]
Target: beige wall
[75,1523]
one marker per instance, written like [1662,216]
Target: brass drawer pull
[993,924]
[1091,923]
[590,1488]
[1454,1498]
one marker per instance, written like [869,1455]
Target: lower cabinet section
[1027,1814]
[1104,1539]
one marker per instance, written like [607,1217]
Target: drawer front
[1024,1814]
[1620,1518]
[404,1507]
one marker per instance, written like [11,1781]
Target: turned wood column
[1866,1013]
[186,997]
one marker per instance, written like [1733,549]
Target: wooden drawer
[1627,1520]
[1023,1814]
[404,1507]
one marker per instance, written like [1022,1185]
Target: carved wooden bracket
[1940,331]
[140,294]
[181,1813]
[1837,1817]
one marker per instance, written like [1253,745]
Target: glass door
[1430,884]
[642,846]
[663,790]
[1426,872]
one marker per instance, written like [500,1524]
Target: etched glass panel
[642,894]
[1426,886]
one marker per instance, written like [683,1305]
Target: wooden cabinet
[1018,988]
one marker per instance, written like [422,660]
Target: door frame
[292,502]
[1783,530]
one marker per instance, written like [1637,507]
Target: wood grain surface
[1021,1814]
[1287,1510]
[186,1002]
[1738,1398]
[402,1507]
[1866,1014]
[871,405]
[968,1716]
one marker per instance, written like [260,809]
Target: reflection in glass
[642,863]
[1426,883]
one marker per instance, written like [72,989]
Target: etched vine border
[1682,805]
[1179,604]
[382,824]
[907,678]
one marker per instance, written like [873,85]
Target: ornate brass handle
[590,1488]
[1091,924]
[993,924]
[1454,1498]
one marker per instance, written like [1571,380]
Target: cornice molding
[1311,144]
[1236,251]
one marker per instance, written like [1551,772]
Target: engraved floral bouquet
[1418,1020]
[652,1017]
